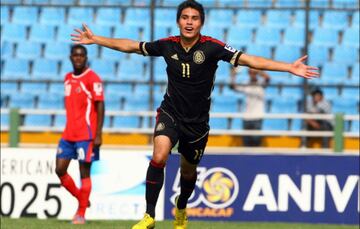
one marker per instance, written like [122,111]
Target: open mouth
[189,29]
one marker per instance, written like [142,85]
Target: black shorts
[192,137]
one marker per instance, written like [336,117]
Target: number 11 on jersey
[185,70]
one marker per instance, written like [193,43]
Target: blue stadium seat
[42,33]
[66,67]
[320,3]
[108,16]
[35,88]
[330,93]
[64,32]
[137,17]
[13,33]
[91,2]
[355,74]
[283,78]
[218,123]
[225,104]
[293,92]
[300,19]
[165,17]
[126,122]
[248,18]
[128,31]
[355,22]
[223,72]
[142,90]
[25,15]
[64,2]
[159,32]
[56,88]
[28,50]
[118,2]
[22,100]
[52,15]
[102,30]
[287,3]
[236,124]
[284,105]
[92,51]
[240,39]
[260,3]
[267,36]
[351,37]
[296,124]
[325,37]
[36,2]
[275,124]
[112,102]
[110,54]
[5,15]
[259,50]
[214,32]
[355,126]
[346,106]
[57,51]
[318,55]
[7,50]
[60,120]
[45,69]
[333,73]
[220,18]
[345,55]
[159,70]
[16,69]
[278,18]
[104,68]
[9,88]
[136,103]
[78,15]
[5,120]
[131,70]
[287,53]
[205,3]
[335,19]
[294,36]
[142,2]
[231,3]
[351,93]
[50,101]
[345,4]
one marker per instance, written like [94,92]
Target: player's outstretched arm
[297,67]
[86,37]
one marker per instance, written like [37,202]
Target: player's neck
[79,71]
[188,43]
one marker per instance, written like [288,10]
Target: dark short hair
[191,4]
[317,91]
[73,47]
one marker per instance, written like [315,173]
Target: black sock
[154,182]
[187,187]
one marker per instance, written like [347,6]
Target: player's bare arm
[100,108]
[86,37]
[297,67]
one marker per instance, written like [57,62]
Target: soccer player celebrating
[183,115]
[81,139]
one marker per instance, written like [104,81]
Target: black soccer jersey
[191,74]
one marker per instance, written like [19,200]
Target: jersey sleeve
[151,48]
[227,53]
[96,88]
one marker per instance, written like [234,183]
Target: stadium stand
[35,44]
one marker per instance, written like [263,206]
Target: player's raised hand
[300,69]
[84,36]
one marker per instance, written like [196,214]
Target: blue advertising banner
[283,188]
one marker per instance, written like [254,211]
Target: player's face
[189,23]
[78,59]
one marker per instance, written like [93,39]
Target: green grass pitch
[32,223]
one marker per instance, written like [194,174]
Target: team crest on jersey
[229,48]
[78,90]
[199,57]
[160,126]
[98,88]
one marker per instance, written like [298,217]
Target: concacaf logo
[216,188]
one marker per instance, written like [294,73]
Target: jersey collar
[81,75]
